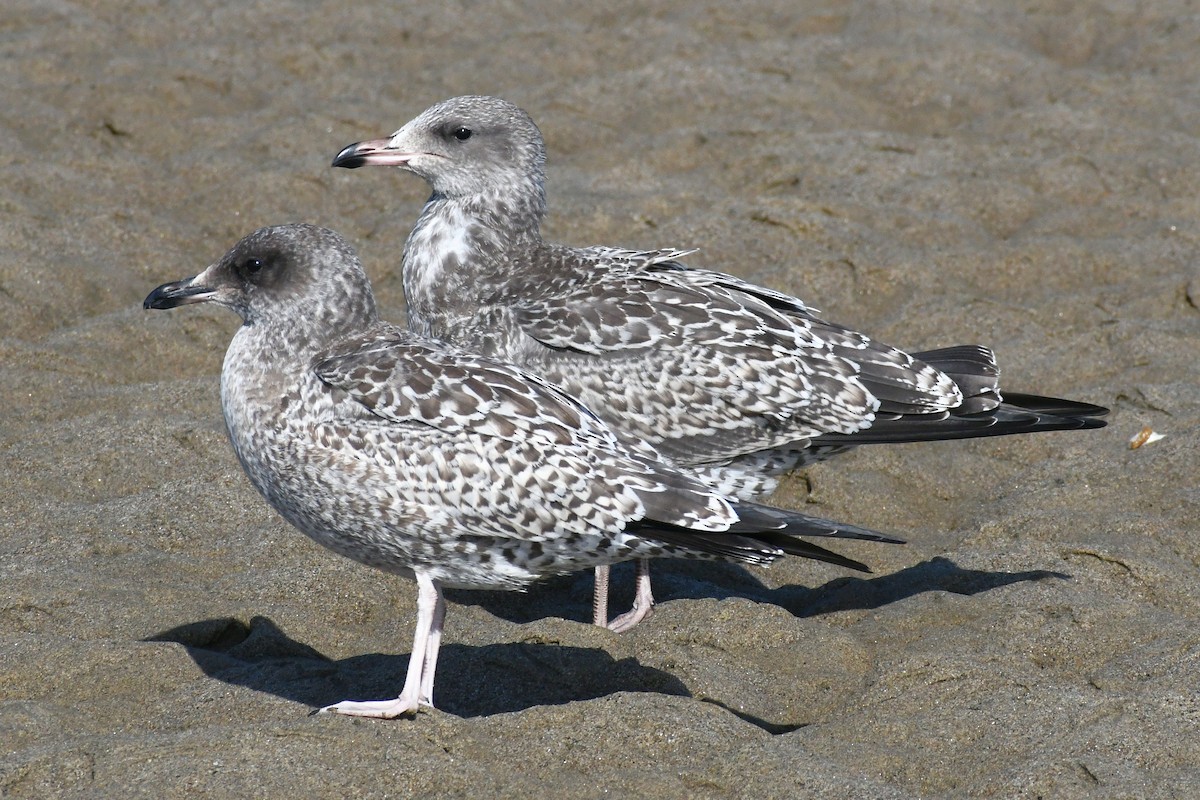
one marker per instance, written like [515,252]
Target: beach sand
[1021,176]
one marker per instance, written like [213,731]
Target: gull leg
[432,645]
[418,683]
[600,597]
[643,601]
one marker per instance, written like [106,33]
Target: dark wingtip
[349,157]
[1055,406]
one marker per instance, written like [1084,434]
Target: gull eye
[462,133]
[250,268]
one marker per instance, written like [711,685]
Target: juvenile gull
[737,382]
[419,458]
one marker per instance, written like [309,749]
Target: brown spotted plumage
[423,459]
[737,382]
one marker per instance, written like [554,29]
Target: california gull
[736,381]
[420,458]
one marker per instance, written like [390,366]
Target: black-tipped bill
[371,153]
[179,293]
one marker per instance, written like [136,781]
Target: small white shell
[1146,435]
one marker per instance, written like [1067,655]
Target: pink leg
[600,597]
[432,646]
[643,601]
[418,683]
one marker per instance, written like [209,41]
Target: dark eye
[462,133]
[252,266]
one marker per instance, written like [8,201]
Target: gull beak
[180,293]
[372,153]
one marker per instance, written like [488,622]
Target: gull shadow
[846,593]
[505,677]
[471,681]
[570,597]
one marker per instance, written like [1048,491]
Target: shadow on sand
[570,597]
[471,681]
[480,681]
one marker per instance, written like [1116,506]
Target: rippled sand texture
[1019,175]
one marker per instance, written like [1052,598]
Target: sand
[1023,176]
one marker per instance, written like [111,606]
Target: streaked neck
[461,253]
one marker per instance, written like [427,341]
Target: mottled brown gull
[734,381]
[422,459]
